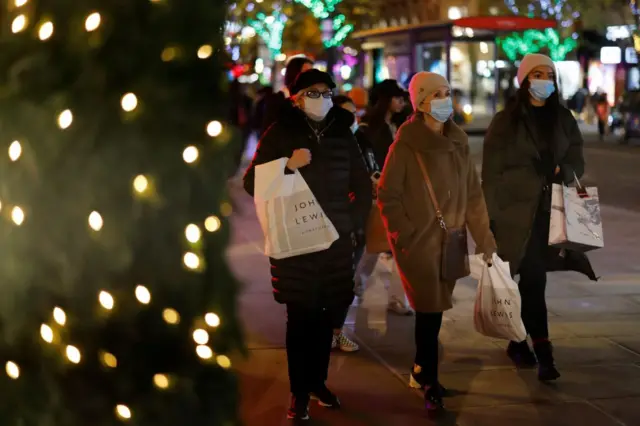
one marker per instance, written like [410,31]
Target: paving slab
[625,409]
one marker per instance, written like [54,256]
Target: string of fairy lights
[50,332]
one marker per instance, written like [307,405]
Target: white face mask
[317,109]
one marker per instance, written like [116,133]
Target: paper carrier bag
[575,223]
[291,218]
[498,305]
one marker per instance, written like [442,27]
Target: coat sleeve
[573,162]
[477,216]
[360,185]
[269,149]
[493,162]
[390,191]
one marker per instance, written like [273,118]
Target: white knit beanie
[531,61]
[423,84]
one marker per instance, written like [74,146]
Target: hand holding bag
[455,254]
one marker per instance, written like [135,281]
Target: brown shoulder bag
[455,252]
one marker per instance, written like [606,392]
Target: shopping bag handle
[581,190]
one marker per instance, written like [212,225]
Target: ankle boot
[547,371]
[521,354]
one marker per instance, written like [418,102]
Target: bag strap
[432,193]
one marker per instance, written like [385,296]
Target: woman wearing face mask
[532,144]
[430,137]
[317,288]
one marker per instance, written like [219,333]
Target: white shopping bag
[292,220]
[497,308]
[575,218]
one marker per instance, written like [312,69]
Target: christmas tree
[116,303]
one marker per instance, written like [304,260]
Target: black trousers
[309,336]
[426,334]
[533,279]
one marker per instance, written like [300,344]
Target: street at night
[594,326]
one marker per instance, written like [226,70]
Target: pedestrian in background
[317,288]
[532,144]
[378,131]
[432,139]
[277,101]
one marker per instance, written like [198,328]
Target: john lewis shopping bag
[498,305]
[292,220]
[575,223]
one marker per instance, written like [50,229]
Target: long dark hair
[377,112]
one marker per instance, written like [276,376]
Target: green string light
[321,9]
[339,36]
[270,29]
[517,45]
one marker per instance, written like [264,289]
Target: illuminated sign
[610,55]
[620,32]
[630,55]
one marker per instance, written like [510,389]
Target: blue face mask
[354,127]
[441,109]
[541,89]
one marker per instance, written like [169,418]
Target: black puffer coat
[323,279]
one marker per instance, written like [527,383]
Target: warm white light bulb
[46,333]
[95,221]
[17,215]
[65,119]
[123,411]
[223,361]
[161,381]
[191,260]
[45,31]
[106,300]
[109,360]
[214,128]
[205,51]
[140,183]
[171,316]
[192,233]
[73,354]
[12,370]
[129,102]
[143,295]
[18,24]
[20,3]
[212,320]
[204,352]
[201,336]
[92,22]
[212,223]
[15,150]
[190,154]
[59,316]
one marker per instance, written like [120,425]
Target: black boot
[521,354]
[547,371]
[433,401]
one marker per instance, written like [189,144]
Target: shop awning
[493,24]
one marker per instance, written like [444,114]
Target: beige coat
[409,215]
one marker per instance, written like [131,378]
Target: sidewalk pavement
[595,328]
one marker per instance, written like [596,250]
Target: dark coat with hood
[513,183]
[323,279]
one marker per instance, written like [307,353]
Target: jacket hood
[417,135]
[292,115]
